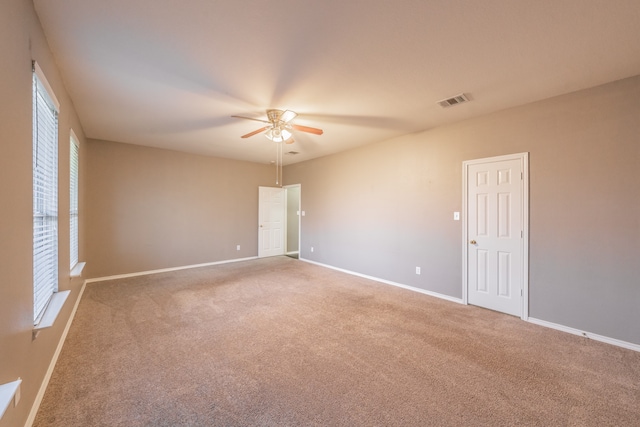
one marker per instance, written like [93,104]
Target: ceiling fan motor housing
[274,115]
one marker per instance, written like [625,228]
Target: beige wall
[21,41]
[380,210]
[150,208]
[386,208]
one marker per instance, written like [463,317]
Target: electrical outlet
[418,270]
[238,248]
[311,248]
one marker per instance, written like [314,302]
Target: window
[73,199]
[45,193]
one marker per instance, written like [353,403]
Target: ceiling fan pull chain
[279,164]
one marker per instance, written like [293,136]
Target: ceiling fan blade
[289,141]
[315,131]
[255,132]
[251,118]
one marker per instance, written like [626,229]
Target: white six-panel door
[495,265]
[271,221]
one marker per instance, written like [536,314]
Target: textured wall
[386,208]
[21,41]
[150,208]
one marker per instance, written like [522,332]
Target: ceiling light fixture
[278,130]
[278,134]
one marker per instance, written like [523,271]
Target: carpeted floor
[280,342]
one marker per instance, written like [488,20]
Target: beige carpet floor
[280,342]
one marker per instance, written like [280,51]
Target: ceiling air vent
[291,153]
[455,100]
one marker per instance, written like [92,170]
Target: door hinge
[521,234]
[521,176]
[521,292]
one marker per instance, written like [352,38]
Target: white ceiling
[171,73]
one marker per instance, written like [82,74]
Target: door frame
[286,222]
[524,161]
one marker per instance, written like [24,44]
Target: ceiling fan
[279,126]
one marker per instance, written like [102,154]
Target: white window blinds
[73,200]
[45,193]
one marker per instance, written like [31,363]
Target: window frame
[45,193]
[74,173]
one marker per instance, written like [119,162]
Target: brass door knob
[473,242]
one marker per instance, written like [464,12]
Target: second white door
[495,232]
[271,221]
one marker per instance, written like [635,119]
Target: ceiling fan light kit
[279,129]
[278,134]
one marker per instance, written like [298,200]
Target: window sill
[52,310]
[77,270]
[7,392]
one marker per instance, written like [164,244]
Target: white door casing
[496,233]
[298,208]
[271,224]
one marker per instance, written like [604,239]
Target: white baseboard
[54,360]
[52,364]
[165,270]
[567,329]
[388,282]
[595,337]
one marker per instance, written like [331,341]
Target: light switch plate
[456,216]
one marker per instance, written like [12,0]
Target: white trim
[77,270]
[562,328]
[74,193]
[7,393]
[387,282]
[595,337]
[299,213]
[46,85]
[54,307]
[74,137]
[165,270]
[52,364]
[524,160]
